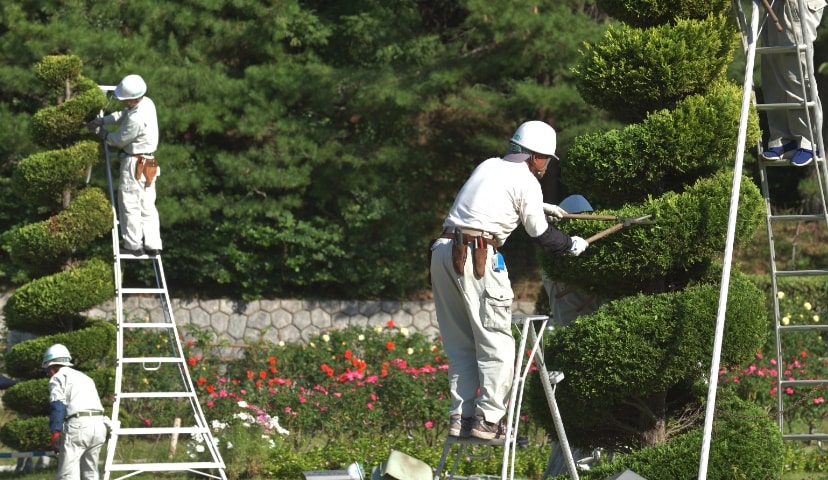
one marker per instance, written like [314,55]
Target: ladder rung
[797,218]
[163,467]
[152,360]
[148,325]
[793,383]
[158,431]
[801,273]
[785,106]
[156,394]
[143,290]
[785,49]
[814,327]
[806,436]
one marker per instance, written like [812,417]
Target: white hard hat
[537,137]
[57,354]
[131,87]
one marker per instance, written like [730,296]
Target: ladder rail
[810,105]
[176,358]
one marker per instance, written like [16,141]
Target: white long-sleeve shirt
[498,196]
[138,132]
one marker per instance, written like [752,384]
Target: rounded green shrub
[42,246]
[632,72]
[51,304]
[43,177]
[648,13]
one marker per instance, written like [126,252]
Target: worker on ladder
[785,78]
[472,291]
[137,139]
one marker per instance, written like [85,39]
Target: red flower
[250,374]
[271,360]
[192,361]
[348,354]
[258,383]
[390,323]
[201,381]
[272,369]
[211,388]
[262,374]
[389,345]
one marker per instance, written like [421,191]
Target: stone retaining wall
[238,323]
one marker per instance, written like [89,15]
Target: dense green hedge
[690,229]
[746,444]
[51,304]
[92,344]
[633,72]
[658,154]
[648,13]
[42,245]
[43,177]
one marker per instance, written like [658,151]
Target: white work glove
[553,213]
[578,246]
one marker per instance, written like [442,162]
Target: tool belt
[460,249]
[148,167]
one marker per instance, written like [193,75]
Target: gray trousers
[140,225]
[475,320]
[81,442]
[782,79]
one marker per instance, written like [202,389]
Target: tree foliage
[309,148]
[70,216]
[634,364]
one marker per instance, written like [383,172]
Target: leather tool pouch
[148,167]
[459,250]
[479,255]
[150,170]
[139,167]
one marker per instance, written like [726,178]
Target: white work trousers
[783,74]
[140,225]
[475,319]
[81,442]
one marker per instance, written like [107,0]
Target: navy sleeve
[57,412]
[554,241]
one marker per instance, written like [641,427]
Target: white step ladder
[532,329]
[762,17]
[155,371]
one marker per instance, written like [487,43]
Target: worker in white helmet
[136,141]
[472,291]
[76,417]
[789,132]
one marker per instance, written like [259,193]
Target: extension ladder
[152,368]
[811,109]
[528,332]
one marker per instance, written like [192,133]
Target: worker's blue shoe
[775,153]
[802,157]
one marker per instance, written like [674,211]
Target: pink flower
[147,422]
[819,400]
[302,399]
[789,391]
[429,424]
[370,405]
[288,409]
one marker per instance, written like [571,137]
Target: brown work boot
[487,430]
[460,426]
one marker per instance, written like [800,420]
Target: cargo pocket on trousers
[497,308]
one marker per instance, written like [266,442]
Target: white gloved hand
[553,213]
[578,246]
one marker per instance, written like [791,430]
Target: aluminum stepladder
[529,326]
[166,366]
[812,111]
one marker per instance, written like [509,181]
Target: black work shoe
[460,426]
[137,252]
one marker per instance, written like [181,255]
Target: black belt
[94,413]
